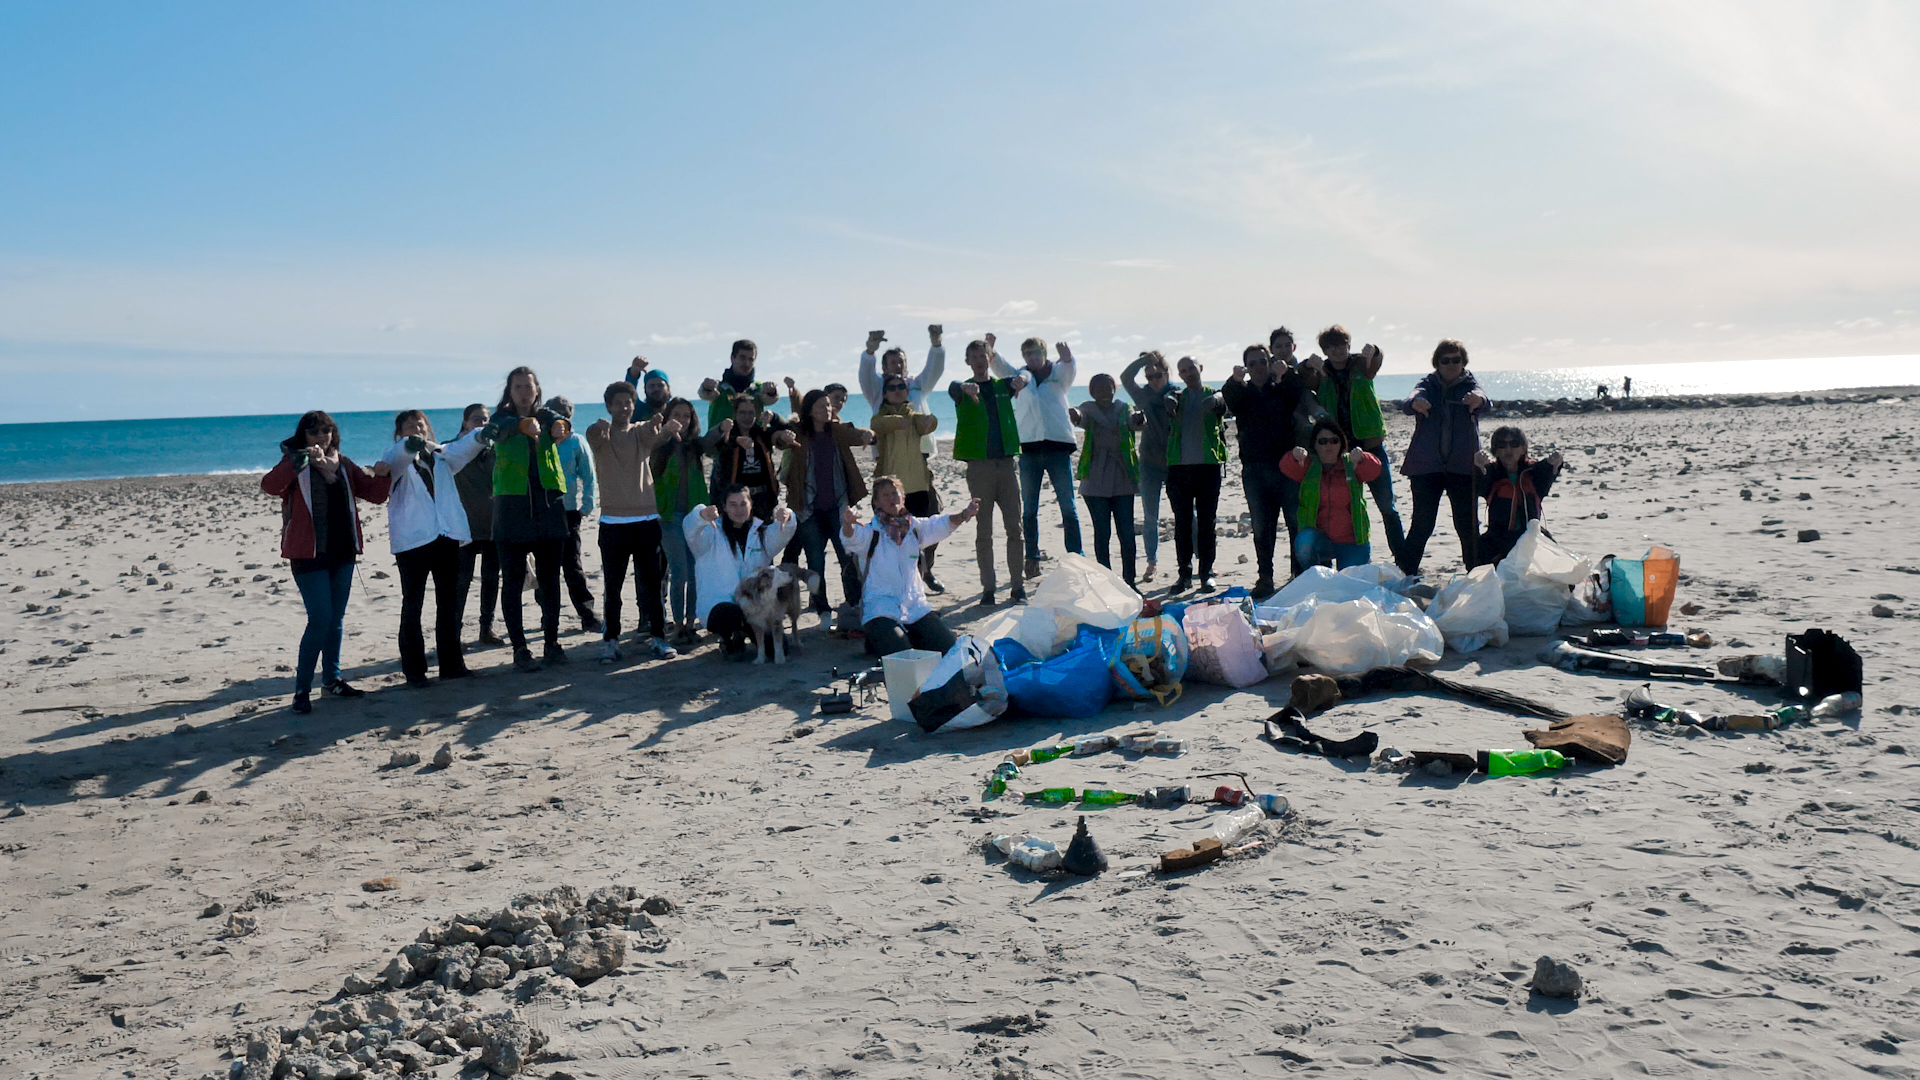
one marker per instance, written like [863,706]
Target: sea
[105,449]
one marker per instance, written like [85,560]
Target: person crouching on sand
[426,524]
[1334,529]
[1513,485]
[728,544]
[319,490]
[894,613]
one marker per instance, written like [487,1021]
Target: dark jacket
[1512,503]
[1446,439]
[476,495]
[1264,415]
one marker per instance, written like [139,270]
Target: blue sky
[211,209]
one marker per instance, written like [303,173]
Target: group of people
[693,509]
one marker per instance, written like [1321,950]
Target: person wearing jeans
[1333,509]
[630,523]
[1109,470]
[1347,393]
[987,439]
[426,524]
[319,490]
[1447,406]
[1196,452]
[822,481]
[679,485]
[1155,402]
[1264,395]
[1046,440]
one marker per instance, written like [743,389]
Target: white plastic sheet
[1075,590]
[1537,580]
[1223,648]
[1471,611]
[1347,637]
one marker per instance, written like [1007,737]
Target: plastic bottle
[1519,762]
[1048,753]
[1093,744]
[1160,798]
[1837,705]
[1273,803]
[1235,825]
[1106,797]
[1167,745]
[1791,714]
[1052,795]
[1029,851]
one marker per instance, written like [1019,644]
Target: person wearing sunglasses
[1334,530]
[1446,406]
[1155,402]
[1513,485]
[1346,392]
[899,432]
[874,377]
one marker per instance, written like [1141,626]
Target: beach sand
[1746,903]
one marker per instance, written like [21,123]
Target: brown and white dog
[770,599]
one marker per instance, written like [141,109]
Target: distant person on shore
[576,468]
[822,480]
[630,521]
[1347,393]
[741,446]
[679,485]
[1446,435]
[1334,527]
[319,490]
[894,613]
[529,509]
[1155,402]
[1626,387]
[987,440]
[900,431]
[426,526]
[476,495]
[729,543]
[1109,471]
[1513,485]
[1196,454]
[1046,440]
[1264,393]
[736,381]
[655,390]
[1602,392]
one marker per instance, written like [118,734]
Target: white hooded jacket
[717,568]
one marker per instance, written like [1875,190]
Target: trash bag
[1642,589]
[1150,659]
[1471,611]
[1537,580]
[1322,583]
[1352,636]
[1593,598]
[1225,652]
[964,690]
[1077,683]
[1075,591]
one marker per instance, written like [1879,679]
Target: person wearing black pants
[1196,452]
[1427,489]
[426,524]
[640,542]
[1446,438]
[475,482]
[1264,394]
[1194,493]
[440,560]
[529,515]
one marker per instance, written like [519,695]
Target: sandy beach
[1748,903]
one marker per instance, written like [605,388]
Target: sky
[214,209]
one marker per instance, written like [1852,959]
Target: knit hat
[654,375]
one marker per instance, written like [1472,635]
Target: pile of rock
[418,1013]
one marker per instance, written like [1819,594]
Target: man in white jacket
[1046,440]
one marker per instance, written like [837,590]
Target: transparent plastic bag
[1224,650]
[1471,611]
[1076,590]
[1537,580]
[1353,636]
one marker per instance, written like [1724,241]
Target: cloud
[1141,264]
[1014,309]
[837,227]
[696,334]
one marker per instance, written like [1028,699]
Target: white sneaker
[609,652]
[661,650]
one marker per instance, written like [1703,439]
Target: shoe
[490,639]
[847,620]
[1263,589]
[457,673]
[1033,569]
[1017,596]
[592,625]
[341,688]
[686,638]
[1151,570]
[1206,583]
[303,703]
[661,650]
[1181,584]
[933,584]
[609,651]
[553,654]
[986,599]
[419,682]
[523,659]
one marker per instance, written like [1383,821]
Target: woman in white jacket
[728,544]
[427,523]
[894,612]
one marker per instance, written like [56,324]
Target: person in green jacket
[987,440]
[529,509]
[1109,470]
[1196,454]
[1346,392]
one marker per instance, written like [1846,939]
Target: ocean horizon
[216,445]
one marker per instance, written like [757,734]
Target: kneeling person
[729,544]
[894,611]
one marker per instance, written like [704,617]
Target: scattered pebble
[443,757]
[403,759]
[1882,611]
[1808,536]
[381,884]
[202,796]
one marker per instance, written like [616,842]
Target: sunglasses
[1509,446]
[896,387]
[1450,361]
[1329,442]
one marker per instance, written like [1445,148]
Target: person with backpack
[894,612]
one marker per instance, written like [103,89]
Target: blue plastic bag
[1075,684]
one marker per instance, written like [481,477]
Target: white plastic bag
[1471,611]
[1075,590]
[1593,598]
[1352,636]
[1537,580]
[971,658]
[1223,650]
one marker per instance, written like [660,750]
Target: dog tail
[806,577]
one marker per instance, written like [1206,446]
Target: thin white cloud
[1014,309]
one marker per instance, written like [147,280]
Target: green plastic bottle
[1055,795]
[1105,797]
[1519,762]
[1048,753]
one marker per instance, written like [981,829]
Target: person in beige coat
[900,435]
[630,517]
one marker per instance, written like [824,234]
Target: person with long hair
[894,612]
[475,482]
[741,446]
[822,480]
[901,431]
[320,490]
[1347,393]
[1447,406]
[630,521]
[426,525]
[1196,456]
[1513,485]
[529,510]
[728,543]
[679,485]
[1334,529]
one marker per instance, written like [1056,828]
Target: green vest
[1362,404]
[721,407]
[970,429]
[1127,452]
[1310,500]
[510,464]
[1216,434]
[679,489]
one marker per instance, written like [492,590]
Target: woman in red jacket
[320,535]
[1334,529]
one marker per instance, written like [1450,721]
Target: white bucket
[906,672]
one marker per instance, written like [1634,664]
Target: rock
[183,728]
[657,905]
[19,810]
[403,759]
[1808,536]
[357,984]
[262,1060]
[1882,611]
[640,920]
[201,796]
[1551,978]
[509,1044]
[456,965]
[381,884]
[443,757]
[491,973]
[591,955]
[412,1057]
[212,910]
[425,959]
[398,973]
[310,1066]
[1747,494]
[239,925]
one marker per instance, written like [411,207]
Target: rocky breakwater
[1568,406]
[454,994]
